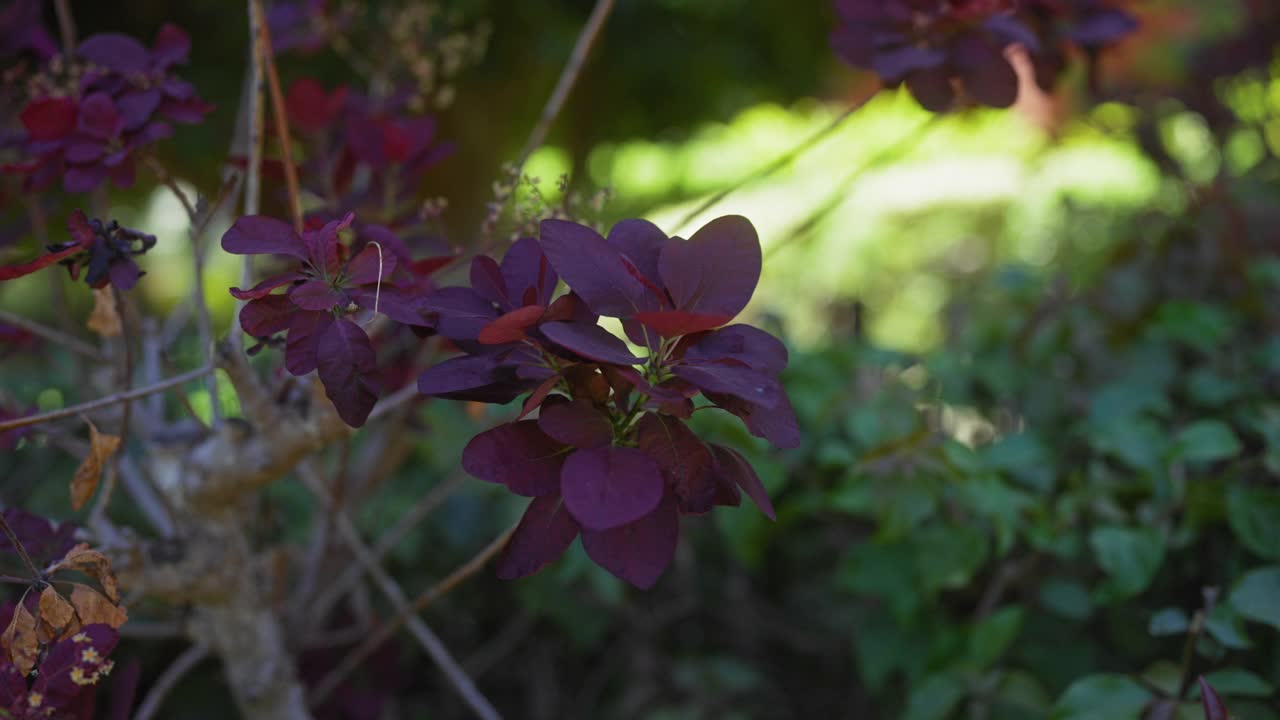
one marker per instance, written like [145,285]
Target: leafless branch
[105,401]
[55,336]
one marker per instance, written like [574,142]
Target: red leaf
[510,327]
[9,272]
[684,460]
[49,118]
[640,551]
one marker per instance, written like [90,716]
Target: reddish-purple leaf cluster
[45,541]
[609,456]
[328,283]
[61,686]
[305,26]
[105,252]
[113,98]
[944,49]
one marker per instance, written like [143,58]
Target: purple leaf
[116,52]
[487,281]
[590,341]
[463,313]
[642,242]
[265,287]
[1214,708]
[137,106]
[1103,27]
[259,234]
[99,117]
[895,64]
[518,455]
[305,328]
[673,323]
[777,425]
[267,315]
[988,77]
[479,378]
[322,245]
[545,531]
[729,377]
[716,270]
[730,464]
[640,551]
[932,89]
[348,367]
[400,304]
[685,461]
[595,270]
[577,423]
[606,487]
[744,343]
[526,268]
[316,295]
[171,46]
[371,266]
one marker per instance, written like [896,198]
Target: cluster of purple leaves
[305,26]
[942,49]
[62,684]
[113,98]
[104,251]
[44,540]
[610,456]
[326,285]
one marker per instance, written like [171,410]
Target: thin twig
[52,335]
[253,172]
[394,401]
[780,162]
[353,659]
[568,77]
[267,58]
[19,548]
[105,401]
[67,27]
[424,635]
[169,679]
[98,514]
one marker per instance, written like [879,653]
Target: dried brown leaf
[95,565]
[93,607]
[85,482]
[104,320]
[19,640]
[55,614]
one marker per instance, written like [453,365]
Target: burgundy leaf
[672,323]
[545,531]
[716,270]
[732,378]
[171,46]
[137,106]
[576,423]
[731,465]
[99,117]
[265,287]
[685,461]
[49,118]
[348,368]
[259,235]
[595,270]
[638,552]
[539,394]
[9,272]
[987,75]
[266,316]
[932,89]
[465,372]
[310,107]
[510,328]
[305,328]
[323,246]
[606,487]
[518,455]
[744,343]
[316,295]
[777,425]
[1214,708]
[590,341]
[526,268]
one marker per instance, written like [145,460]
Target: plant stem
[267,58]
[106,401]
[20,549]
[66,26]
[55,336]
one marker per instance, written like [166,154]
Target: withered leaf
[104,320]
[55,613]
[19,640]
[93,607]
[85,481]
[95,565]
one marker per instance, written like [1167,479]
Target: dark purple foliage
[327,282]
[1214,708]
[59,685]
[21,31]
[105,252]
[44,540]
[609,453]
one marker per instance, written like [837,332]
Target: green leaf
[1224,625]
[1067,598]
[1130,556]
[948,556]
[934,698]
[993,635]
[1169,621]
[883,570]
[1238,682]
[1257,596]
[1254,516]
[1206,441]
[1101,697]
